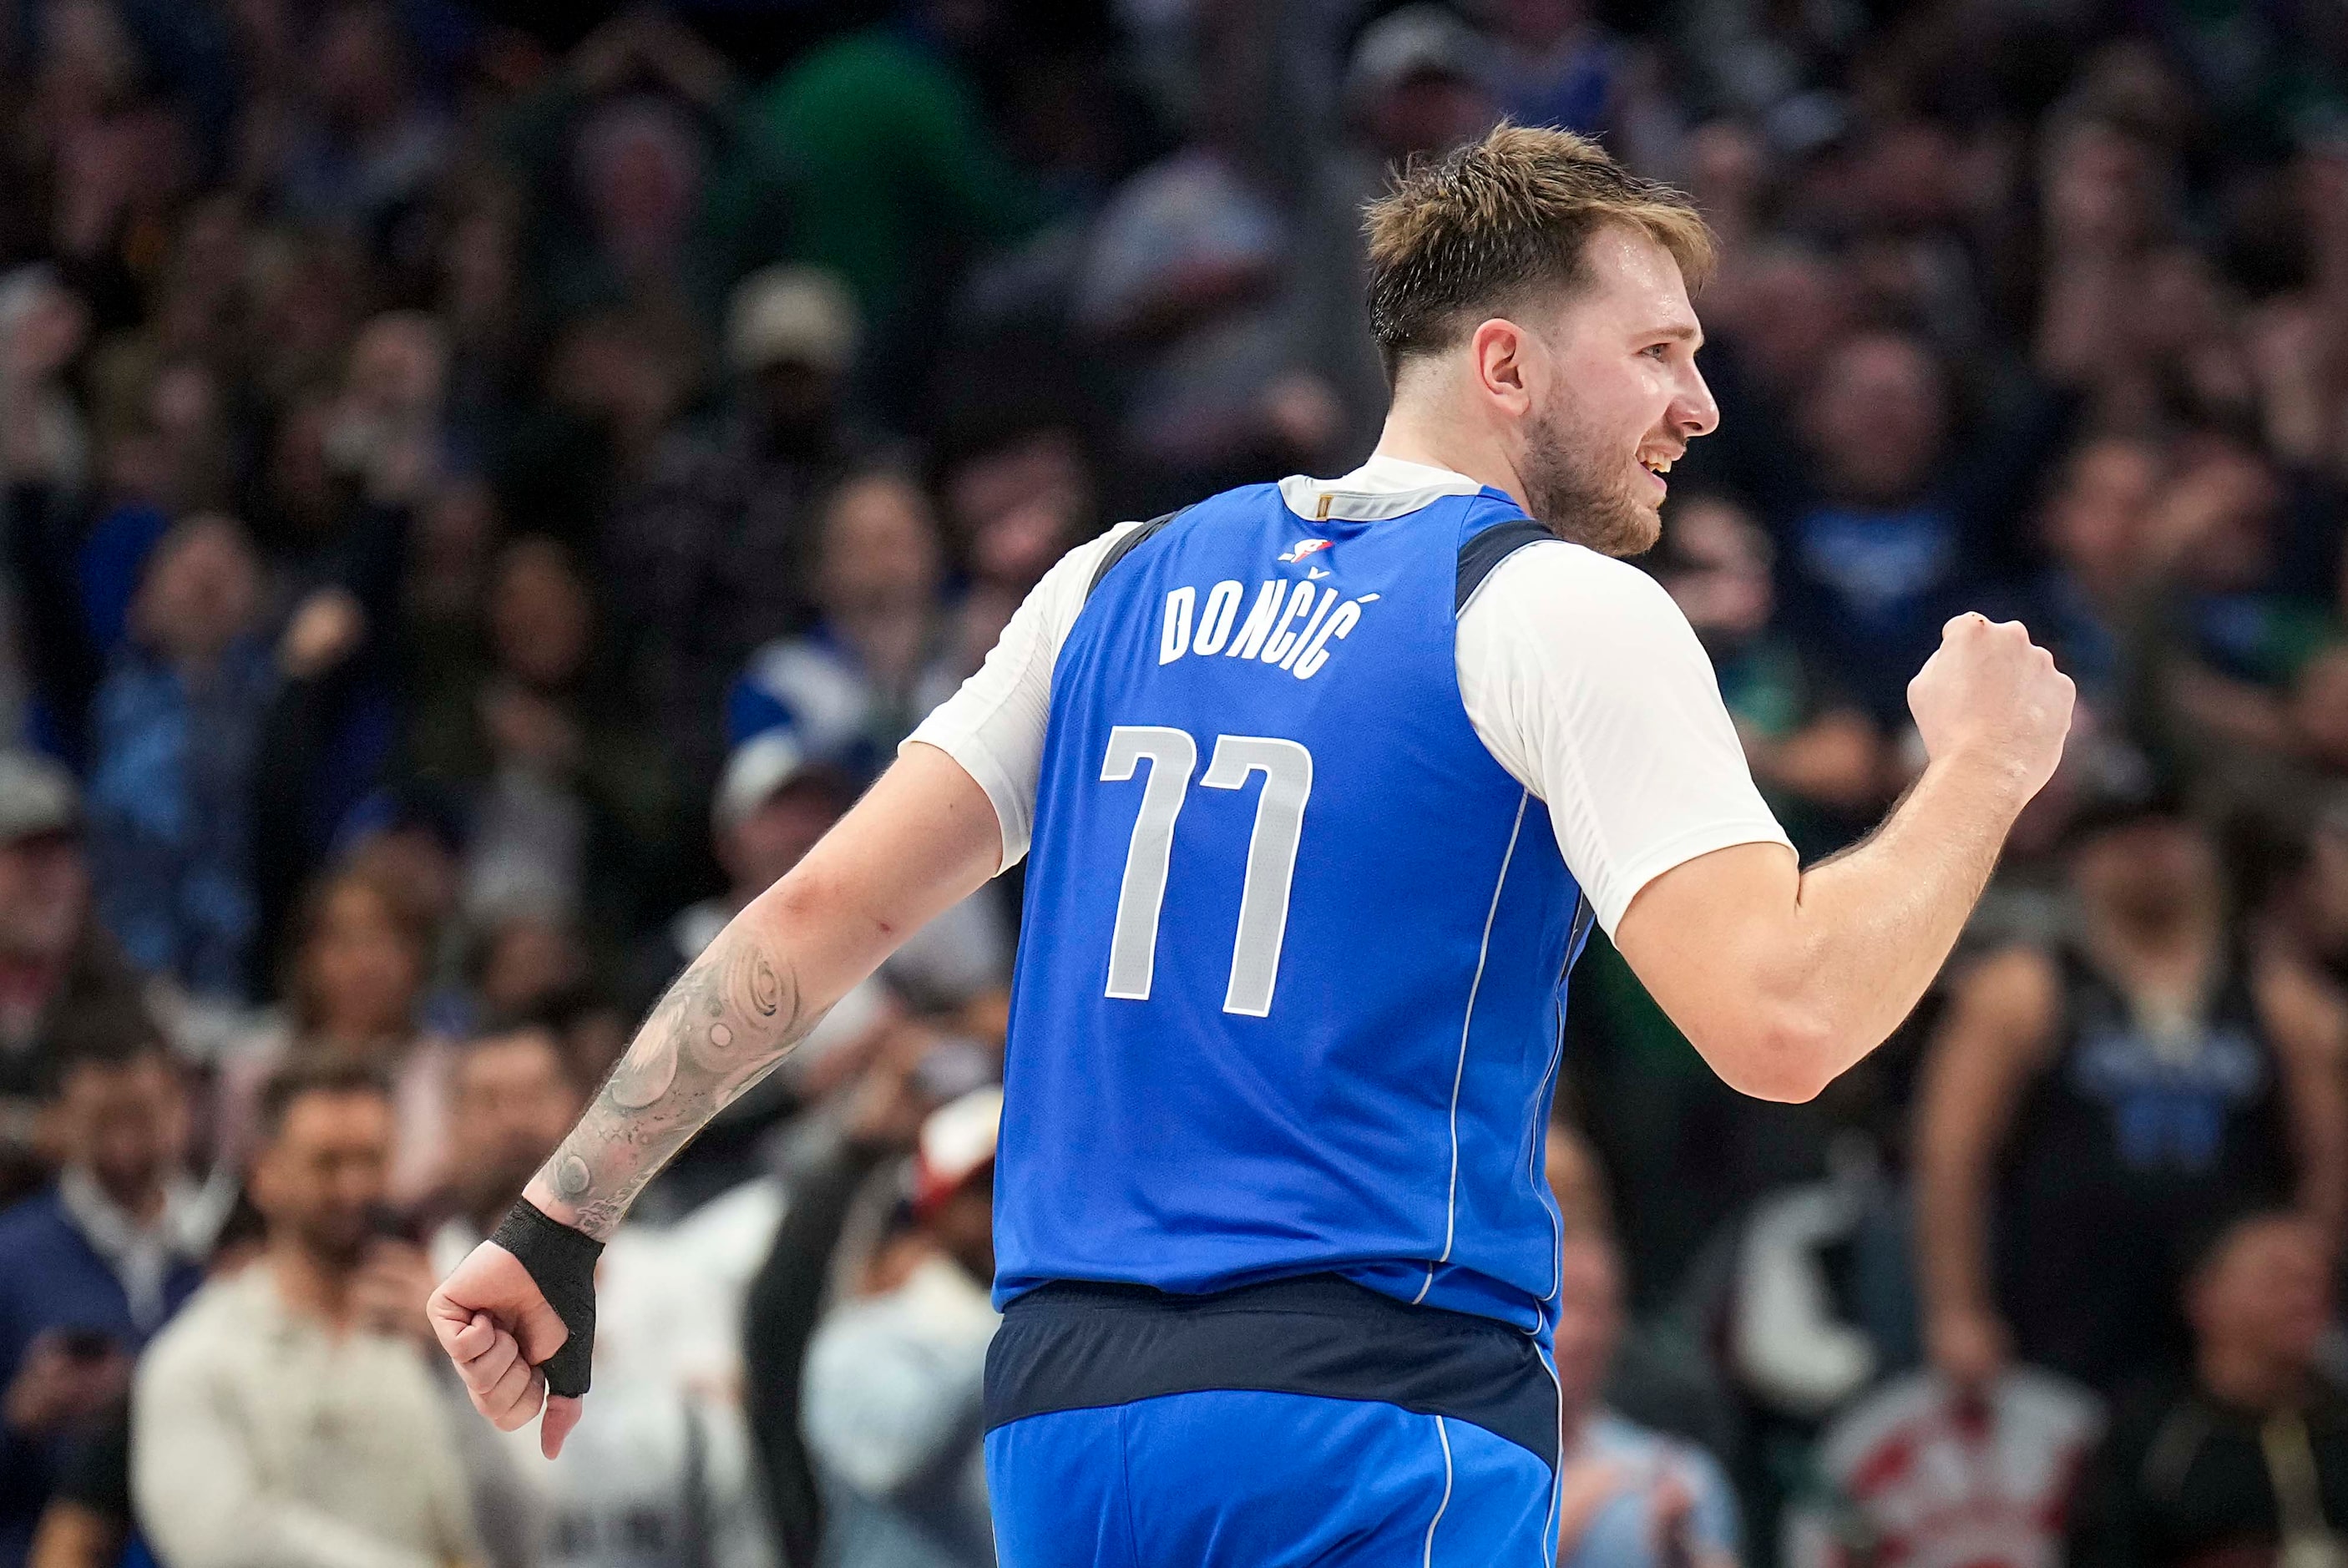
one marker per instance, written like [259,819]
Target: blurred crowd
[484,484]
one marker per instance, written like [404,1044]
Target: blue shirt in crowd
[1621,1534]
[53,1280]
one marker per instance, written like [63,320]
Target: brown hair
[412,926]
[107,1034]
[1472,234]
[331,1074]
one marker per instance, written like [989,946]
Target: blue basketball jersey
[1290,983]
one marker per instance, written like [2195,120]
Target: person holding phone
[94,1264]
[289,1415]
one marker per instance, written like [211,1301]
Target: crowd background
[486,482]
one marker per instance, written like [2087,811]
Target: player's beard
[1579,496]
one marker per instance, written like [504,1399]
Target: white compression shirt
[1580,674]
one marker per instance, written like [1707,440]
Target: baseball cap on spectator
[760,769]
[791,316]
[37,797]
[1416,41]
[956,1143]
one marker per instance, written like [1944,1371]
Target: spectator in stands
[1918,1469]
[1182,283]
[2091,601]
[891,164]
[893,1375]
[2085,1106]
[775,801]
[365,146]
[90,1268]
[607,391]
[526,958]
[175,740]
[1018,493]
[1820,762]
[1885,538]
[289,1414]
[1558,65]
[875,663]
[2163,603]
[1627,1497]
[651,188]
[569,799]
[87,1523]
[413,288]
[717,544]
[409,840]
[1576,1180]
[513,1096]
[2233,638]
[353,986]
[2242,1456]
[387,429]
[772,805]
[46,463]
[1419,82]
[57,962]
[1778,311]
[44,437]
[2308,914]
[879,1119]
[349,477]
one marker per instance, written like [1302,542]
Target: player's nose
[1694,412]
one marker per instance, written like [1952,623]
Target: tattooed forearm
[731,1016]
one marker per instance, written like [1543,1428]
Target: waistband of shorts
[1079,1345]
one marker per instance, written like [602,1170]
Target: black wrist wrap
[561,1262]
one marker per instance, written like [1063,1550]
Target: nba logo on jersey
[1301,549]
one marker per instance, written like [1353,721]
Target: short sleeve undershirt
[1579,672]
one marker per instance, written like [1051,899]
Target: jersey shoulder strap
[1125,546]
[1486,550]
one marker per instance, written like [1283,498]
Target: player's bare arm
[733,1014]
[1782,977]
[924,838]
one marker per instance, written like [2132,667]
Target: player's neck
[1443,446]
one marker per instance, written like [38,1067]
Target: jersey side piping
[1459,1073]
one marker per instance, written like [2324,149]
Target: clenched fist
[1992,695]
[496,1326]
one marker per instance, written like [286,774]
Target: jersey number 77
[1173,754]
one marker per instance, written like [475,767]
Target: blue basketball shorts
[1305,1421]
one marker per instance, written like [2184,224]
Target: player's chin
[1648,527]
[1632,528]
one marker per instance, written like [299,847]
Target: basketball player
[1321,785]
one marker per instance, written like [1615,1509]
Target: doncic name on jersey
[1290,626]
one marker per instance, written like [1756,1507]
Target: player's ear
[1498,349]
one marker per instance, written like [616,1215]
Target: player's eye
[1657,350]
